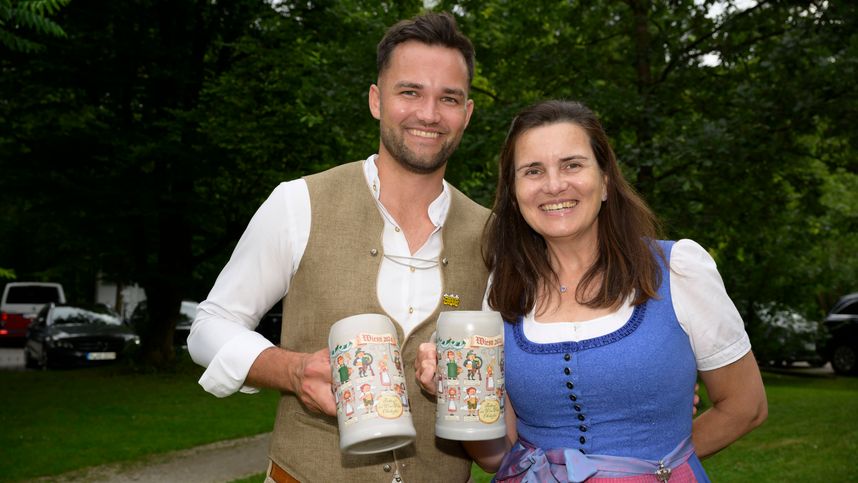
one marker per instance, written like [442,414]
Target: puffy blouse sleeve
[705,311]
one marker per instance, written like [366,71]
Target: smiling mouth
[558,206]
[424,134]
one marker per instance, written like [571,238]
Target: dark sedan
[842,325]
[63,335]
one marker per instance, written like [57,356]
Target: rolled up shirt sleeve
[704,309]
[256,277]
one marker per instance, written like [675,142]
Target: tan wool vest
[337,278]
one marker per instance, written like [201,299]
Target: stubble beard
[409,160]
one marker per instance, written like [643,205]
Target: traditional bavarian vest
[338,278]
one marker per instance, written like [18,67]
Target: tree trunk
[642,41]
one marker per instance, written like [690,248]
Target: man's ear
[375,101]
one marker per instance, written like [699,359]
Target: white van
[22,301]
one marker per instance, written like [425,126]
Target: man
[386,235]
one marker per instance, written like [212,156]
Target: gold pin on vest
[451,299]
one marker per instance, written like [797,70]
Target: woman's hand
[425,365]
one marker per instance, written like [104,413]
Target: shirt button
[566,371]
[397,231]
[577,407]
[412,269]
[580,417]
[386,468]
[573,397]
[567,357]
[570,385]
[410,310]
[582,440]
[582,428]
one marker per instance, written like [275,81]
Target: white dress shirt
[266,258]
[269,253]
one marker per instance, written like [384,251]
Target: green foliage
[28,15]
[156,128]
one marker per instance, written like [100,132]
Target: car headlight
[62,344]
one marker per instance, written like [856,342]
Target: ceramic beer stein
[470,376]
[373,414]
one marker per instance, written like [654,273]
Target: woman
[606,327]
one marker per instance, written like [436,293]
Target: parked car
[269,326]
[187,312]
[64,335]
[271,323]
[20,303]
[785,337]
[841,346]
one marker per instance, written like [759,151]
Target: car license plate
[100,356]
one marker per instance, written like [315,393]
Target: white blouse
[701,303]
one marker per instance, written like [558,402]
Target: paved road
[11,359]
[220,462]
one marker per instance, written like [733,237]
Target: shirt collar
[438,209]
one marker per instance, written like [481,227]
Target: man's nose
[429,112]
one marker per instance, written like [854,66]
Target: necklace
[563,288]
[414,263]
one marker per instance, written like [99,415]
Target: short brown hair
[517,255]
[430,29]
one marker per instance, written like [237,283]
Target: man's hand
[308,375]
[696,401]
[311,382]
[425,365]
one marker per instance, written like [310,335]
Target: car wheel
[843,360]
[30,362]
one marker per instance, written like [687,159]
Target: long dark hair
[517,255]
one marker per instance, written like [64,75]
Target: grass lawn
[57,421]
[811,435]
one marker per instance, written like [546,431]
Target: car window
[74,315]
[32,294]
[39,321]
[851,309]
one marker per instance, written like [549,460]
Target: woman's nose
[554,183]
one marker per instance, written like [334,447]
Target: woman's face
[558,183]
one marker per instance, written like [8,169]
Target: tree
[19,15]
[156,128]
[709,118]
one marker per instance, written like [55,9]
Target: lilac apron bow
[528,464]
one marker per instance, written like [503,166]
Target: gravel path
[219,462]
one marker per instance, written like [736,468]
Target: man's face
[422,105]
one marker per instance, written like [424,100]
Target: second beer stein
[470,376]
